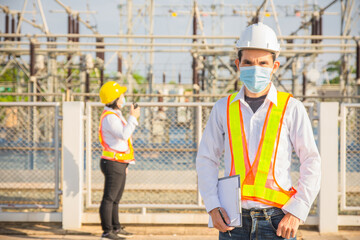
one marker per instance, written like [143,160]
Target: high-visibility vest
[109,153]
[258,181]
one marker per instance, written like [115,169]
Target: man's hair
[113,104]
[240,55]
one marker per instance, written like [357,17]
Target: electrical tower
[75,63]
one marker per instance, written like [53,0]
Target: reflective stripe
[109,153]
[235,136]
[265,193]
[118,156]
[254,177]
[270,137]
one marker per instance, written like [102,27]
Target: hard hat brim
[257,48]
[122,89]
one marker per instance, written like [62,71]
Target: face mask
[123,102]
[255,78]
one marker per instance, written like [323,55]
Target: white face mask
[123,101]
[255,78]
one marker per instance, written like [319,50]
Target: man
[257,128]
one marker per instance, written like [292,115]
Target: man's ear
[276,66]
[237,63]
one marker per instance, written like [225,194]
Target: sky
[107,21]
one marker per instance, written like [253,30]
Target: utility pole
[6,25]
[304,85]
[69,78]
[101,56]
[194,62]
[130,41]
[357,62]
[346,11]
[151,63]
[119,64]
[33,80]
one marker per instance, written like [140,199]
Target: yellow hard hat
[111,91]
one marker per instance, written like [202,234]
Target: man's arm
[207,164]
[302,138]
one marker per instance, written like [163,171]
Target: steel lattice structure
[70,63]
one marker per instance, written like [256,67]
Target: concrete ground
[17,231]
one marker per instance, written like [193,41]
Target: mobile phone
[135,105]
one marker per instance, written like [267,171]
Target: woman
[115,137]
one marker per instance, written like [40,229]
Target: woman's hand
[135,112]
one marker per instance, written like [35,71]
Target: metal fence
[30,156]
[31,97]
[350,157]
[165,141]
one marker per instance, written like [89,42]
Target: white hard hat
[259,36]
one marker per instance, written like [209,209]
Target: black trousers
[115,177]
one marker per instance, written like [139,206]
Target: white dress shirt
[296,134]
[115,132]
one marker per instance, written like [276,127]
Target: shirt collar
[118,112]
[271,96]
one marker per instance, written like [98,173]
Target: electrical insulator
[89,61]
[39,62]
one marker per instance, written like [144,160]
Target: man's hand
[288,226]
[218,222]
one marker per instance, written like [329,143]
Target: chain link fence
[164,175]
[350,159]
[165,144]
[29,152]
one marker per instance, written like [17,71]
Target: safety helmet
[111,91]
[259,36]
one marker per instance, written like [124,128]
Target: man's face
[254,57]
[261,58]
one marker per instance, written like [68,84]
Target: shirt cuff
[132,119]
[297,208]
[211,203]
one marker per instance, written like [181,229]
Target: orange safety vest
[258,181]
[109,153]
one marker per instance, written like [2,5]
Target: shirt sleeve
[302,138]
[207,161]
[116,128]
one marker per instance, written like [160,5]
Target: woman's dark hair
[240,55]
[113,104]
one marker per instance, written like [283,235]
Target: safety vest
[258,181]
[109,153]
